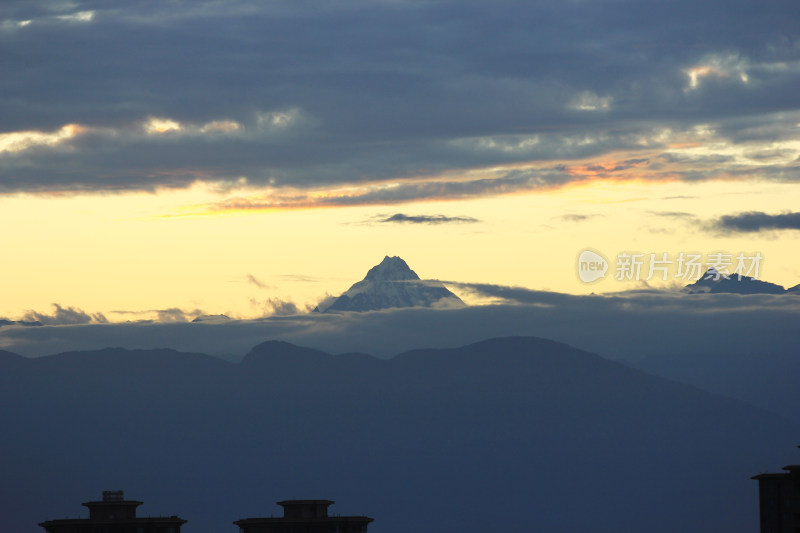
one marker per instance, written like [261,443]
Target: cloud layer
[628,325]
[64,316]
[299,97]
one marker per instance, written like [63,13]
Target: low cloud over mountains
[626,325]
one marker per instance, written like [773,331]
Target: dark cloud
[753,221]
[426,219]
[65,316]
[381,90]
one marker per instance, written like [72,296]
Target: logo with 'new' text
[592,266]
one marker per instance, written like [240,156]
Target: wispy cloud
[491,183]
[574,217]
[258,283]
[300,278]
[278,307]
[175,314]
[680,217]
[169,315]
[400,218]
[673,214]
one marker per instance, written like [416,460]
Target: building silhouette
[779,500]
[114,514]
[305,516]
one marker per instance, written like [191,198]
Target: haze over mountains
[513,433]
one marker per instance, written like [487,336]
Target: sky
[164,160]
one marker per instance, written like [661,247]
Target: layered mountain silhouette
[391,284]
[767,378]
[714,282]
[6,322]
[514,433]
[11,359]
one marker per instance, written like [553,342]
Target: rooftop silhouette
[114,513]
[779,500]
[308,516]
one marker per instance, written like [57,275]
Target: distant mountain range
[6,322]
[714,282]
[391,284]
[513,433]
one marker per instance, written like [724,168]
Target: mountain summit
[391,269]
[391,284]
[715,282]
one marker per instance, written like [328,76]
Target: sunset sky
[161,160]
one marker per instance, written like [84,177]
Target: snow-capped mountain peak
[715,281]
[391,269]
[390,284]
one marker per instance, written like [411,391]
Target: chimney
[113,495]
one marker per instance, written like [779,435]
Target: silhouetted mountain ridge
[715,282]
[8,359]
[767,379]
[496,433]
[280,350]
[503,346]
[6,322]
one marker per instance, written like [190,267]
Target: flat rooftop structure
[308,516]
[114,513]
